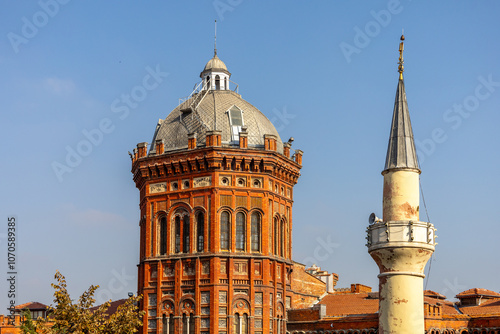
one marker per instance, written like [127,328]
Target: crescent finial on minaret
[401,49]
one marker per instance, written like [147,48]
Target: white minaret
[400,243]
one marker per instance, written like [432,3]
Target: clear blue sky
[323,72]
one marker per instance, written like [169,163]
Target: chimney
[214,138]
[244,137]
[142,149]
[298,156]
[286,149]
[160,146]
[191,140]
[270,142]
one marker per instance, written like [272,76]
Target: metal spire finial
[215,40]
[401,62]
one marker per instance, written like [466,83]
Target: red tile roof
[434,294]
[349,304]
[113,307]
[477,292]
[32,306]
[487,307]
[447,306]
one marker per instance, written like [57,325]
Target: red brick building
[216,197]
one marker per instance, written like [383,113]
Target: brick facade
[191,273]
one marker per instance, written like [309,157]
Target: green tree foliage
[28,325]
[82,317]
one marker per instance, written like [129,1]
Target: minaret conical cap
[401,151]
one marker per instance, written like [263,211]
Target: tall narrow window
[191,323]
[237,324]
[185,232]
[240,231]
[255,232]
[276,236]
[282,237]
[171,324]
[208,83]
[184,324]
[217,82]
[244,324]
[163,236]
[224,231]
[177,234]
[201,231]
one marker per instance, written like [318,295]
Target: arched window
[276,236]
[184,324]
[191,323]
[224,231]
[240,231]
[282,237]
[237,324]
[208,82]
[256,232]
[217,82]
[240,325]
[200,230]
[163,236]
[168,324]
[177,234]
[185,233]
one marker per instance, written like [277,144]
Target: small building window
[163,236]
[236,121]
[177,234]
[217,82]
[201,230]
[185,232]
[256,232]
[240,231]
[224,231]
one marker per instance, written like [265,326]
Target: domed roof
[213,113]
[215,65]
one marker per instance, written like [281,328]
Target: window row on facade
[183,233]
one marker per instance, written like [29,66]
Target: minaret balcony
[401,233]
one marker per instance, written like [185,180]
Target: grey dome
[212,114]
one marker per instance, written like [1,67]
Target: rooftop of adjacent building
[359,300]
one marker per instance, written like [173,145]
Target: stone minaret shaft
[399,243]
